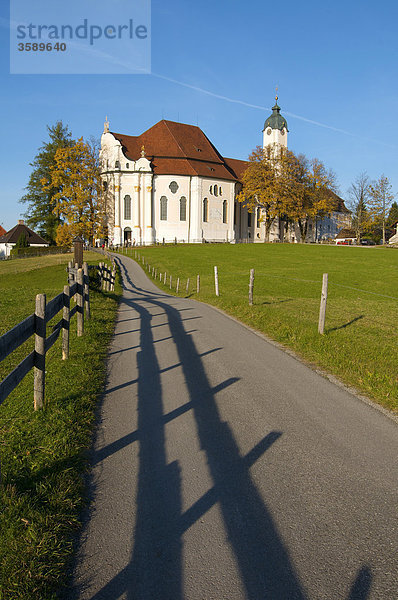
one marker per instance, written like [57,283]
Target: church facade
[171,183]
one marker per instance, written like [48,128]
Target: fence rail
[35,325]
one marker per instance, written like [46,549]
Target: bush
[39,251]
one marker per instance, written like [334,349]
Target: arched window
[211,190]
[205,210]
[183,208]
[258,217]
[224,211]
[117,165]
[220,191]
[127,165]
[216,190]
[163,208]
[173,187]
[127,208]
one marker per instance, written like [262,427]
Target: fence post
[178,285]
[187,288]
[156,273]
[216,280]
[113,278]
[198,284]
[170,281]
[100,273]
[165,279]
[69,273]
[65,323]
[80,302]
[40,352]
[160,277]
[86,290]
[251,286]
[322,309]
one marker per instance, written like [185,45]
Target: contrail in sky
[266,108]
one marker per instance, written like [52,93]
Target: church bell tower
[275,128]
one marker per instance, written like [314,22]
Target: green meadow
[360,344]
[43,453]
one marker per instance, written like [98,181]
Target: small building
[346,237]
[9,239]
[394,239]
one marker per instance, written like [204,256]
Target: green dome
[276,121]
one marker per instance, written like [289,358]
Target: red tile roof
[13,235]
[180,149]
[2,231]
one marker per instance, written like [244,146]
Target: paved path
[226,469]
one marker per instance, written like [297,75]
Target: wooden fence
[36,323]
[153,271]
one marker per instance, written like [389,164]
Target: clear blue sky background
[335,65]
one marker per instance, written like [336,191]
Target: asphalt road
[224,468]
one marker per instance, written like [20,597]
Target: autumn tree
[40,210]
[287,186]
[381,197]
[79,202]
[314,194]
[359,194]
[260,186]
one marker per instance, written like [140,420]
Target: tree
[260,187]
[381,198]
[78,202]
[287,186]
[393,214]
[359,194]
[22,242]
[306,187]
[40,213]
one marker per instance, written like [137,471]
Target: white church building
[171,183]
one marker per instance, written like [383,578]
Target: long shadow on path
[155,568]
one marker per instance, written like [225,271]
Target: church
[171,183]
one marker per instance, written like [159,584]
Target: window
[127,165]
[127,208]
[249,219]
[117,165]
[163,208]
[220,191]
[183,208]
[211,190]
[258,217]
[224,211]
[215,190]
[173,187]
[105,186]
[205,210]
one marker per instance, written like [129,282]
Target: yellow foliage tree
[79,203]
[287,186]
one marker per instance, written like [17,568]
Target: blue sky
[216,64]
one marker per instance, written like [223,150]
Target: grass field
[43,453]
[360,345]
